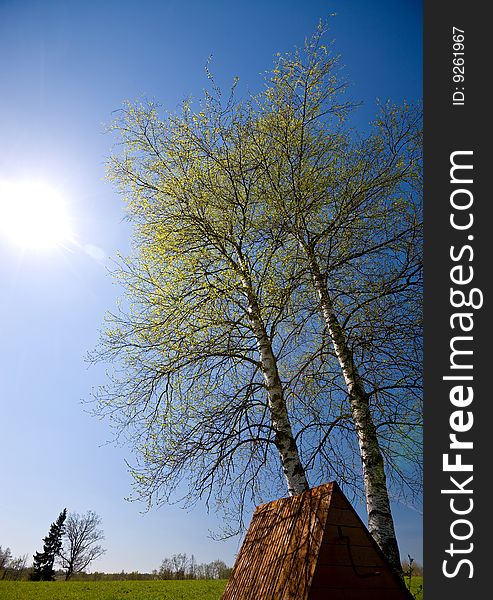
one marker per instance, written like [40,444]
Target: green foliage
[112,590]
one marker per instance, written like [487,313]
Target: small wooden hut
[312,547]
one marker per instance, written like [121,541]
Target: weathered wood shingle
[311,547]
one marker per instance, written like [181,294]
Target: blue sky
[64,67]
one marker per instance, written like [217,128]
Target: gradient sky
[64,67]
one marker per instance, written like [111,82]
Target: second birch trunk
[380,521]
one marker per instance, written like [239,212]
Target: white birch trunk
[284,439]
[380,521]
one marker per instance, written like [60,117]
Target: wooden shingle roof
[311,547]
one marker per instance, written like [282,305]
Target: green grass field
[111,590]
[417,587]
[126,590]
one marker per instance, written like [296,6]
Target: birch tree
[351,206]
[206,318]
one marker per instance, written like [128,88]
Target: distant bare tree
[5,558]
[17,568]
[180,565]
[166,569]
[220,569]
[80,545]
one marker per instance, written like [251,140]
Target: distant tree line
[181,566]
[178,567]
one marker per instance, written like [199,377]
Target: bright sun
[33,215]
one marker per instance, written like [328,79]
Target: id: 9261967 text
[458,66]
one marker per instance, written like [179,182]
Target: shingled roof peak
[312,546]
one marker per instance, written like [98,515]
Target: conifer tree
[43,561]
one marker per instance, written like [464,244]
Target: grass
[128,590]
[416,587]
[111,590]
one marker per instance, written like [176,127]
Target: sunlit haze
[33,215]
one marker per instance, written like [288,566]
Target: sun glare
[33,215]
